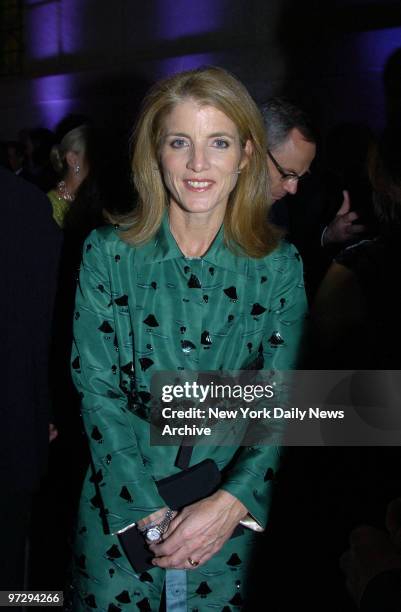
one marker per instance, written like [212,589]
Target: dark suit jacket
[30,245]
[383,593]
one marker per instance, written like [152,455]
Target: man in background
[319,224]
[28,271]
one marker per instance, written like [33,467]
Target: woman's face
[82,163]
[200,157]
[78,165]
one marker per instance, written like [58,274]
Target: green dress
[60,207]
[146,309]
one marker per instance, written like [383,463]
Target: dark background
[98,57]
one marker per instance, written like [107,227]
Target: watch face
[153,534]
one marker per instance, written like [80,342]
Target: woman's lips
[197,185]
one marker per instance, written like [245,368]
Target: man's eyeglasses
[287,176]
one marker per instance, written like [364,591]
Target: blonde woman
[200,281]
[69,160]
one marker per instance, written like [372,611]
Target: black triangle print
[145,363]
[203,589]
[122,301]
[194,282]
[113,552]
[231,292]
[125,494]
[257,309]
[151,321]
[106,328]
[123,597]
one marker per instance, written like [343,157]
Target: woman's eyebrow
[220,134]
[214,135]
[181,134]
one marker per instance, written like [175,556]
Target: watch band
[154,531]
[166,521]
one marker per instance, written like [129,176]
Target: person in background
[37,144]
[28,266]
[310,225]
[70,162]
[355,326]
[352,305]
[15,157]
[56,506]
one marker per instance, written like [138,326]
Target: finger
[53,432]
[165,548]
[205,558]
[346,205]
[172,540]
[192,550]
[195,559]
[168,563]
[177,560]
[350,217]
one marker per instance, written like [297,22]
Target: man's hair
[280,116]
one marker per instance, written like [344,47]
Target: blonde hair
[245,224]
[75,140]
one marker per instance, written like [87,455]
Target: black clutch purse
[179,490]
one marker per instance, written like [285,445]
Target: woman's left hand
[199,531]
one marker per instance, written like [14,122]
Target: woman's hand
[199,531]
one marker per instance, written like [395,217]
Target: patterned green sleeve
[127,491]
[251,477]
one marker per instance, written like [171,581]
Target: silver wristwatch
[153,532]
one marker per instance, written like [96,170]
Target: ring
[192,563]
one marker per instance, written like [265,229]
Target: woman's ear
[71,159]
[246,154]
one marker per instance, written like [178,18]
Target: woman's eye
[178,143]
[220,143]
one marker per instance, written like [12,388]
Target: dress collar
[163,247]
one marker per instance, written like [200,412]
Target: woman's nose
[198,159]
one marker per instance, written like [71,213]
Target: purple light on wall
[52,28]
[172,65]
[374,48]
[71,34]
[53,97]
[177,18]
[42,36]
[372,51]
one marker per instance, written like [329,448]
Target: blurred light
[52,28]
[172,65]
[375,47]
[53,96]
[178,18]
[42,35]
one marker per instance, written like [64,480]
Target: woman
[69,160]
[198,281]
